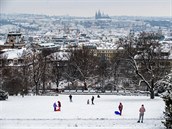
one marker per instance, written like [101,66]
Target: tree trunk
[57,85]
[152,95]
[37,92]
[36,87]
[44,74]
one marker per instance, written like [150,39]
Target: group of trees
[41,68]
[137,61]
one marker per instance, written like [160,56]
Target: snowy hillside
[33,112]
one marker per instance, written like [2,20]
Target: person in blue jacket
[55,106]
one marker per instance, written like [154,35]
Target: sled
[117,113]
[58,109]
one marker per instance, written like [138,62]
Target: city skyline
[88,8]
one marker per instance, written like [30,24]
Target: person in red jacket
[59,106]
[120,107]
[141,115]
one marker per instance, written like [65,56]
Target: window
[15,61]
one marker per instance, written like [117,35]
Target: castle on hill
[101,15]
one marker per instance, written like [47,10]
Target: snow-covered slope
[37,111]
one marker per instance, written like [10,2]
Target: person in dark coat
[92,99]
[120,107]
[70,97]
[88,102]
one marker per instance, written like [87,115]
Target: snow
[2,42]
[61,55]
[49,34]
[13,53]
[33,112]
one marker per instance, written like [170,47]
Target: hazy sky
[89,7]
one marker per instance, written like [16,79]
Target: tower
[14,40]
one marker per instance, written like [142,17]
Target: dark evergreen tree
[168,108]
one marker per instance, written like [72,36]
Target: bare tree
[145,54]
[25,68]
[120,74]
[12,80]
[3,64]
[103,70]
[45,67]
[36,71]
[82,66]
[58,63]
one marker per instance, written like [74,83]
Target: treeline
[137,64]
